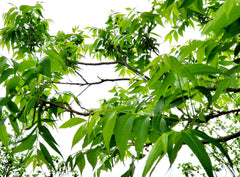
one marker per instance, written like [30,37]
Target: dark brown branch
[115,62]
[234,90]
[97,64]
[227,138]
[93,83]
[211,116]
[67,109]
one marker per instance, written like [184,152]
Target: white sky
[70,13]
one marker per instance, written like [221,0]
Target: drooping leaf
[47,136]
[4,135]
[159,149]
[122,132]
[175,143]
[80,161]
[198,149]
[92,156]
[213,141]
[140,131]
[47,155]
[79,134]
[72,122]
[108,128]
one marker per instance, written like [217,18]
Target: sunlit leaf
[159,149]
[4,135]
[26,144]
[72,122]
[81,132]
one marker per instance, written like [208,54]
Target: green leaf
[3,62]
[80,161]
[225,15]
[198,149]
[159,107]
[79,134]
[5,74]
[205,92]
[122,133]
[26,64]
[47,155]
[45,67]
[140,131]
[26,144]
[108,128]
[58,61]
[214,142]
[4,135]
[221,87]
[175,143]
[12,107]
[47,136]
[92,156]
[4,101]
[201,69]
[30,105]
[72,122]
[159,149]
[12,84]
[237,50]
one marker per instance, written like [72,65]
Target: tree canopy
[186,97]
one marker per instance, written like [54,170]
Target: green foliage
[185,97]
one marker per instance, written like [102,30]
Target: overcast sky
[70,13]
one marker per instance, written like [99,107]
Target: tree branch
[115,62]
[234,90]
[93,83]
[211,116]
[67,109]
[226,138]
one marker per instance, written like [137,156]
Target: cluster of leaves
[173,99]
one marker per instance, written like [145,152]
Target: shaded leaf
[108,128]
[47,155]
[213,141]
[140,131]
[47,136]
[122,133]
[45,66]
[205,92]
[92,156]
[198,149]
[80,161]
